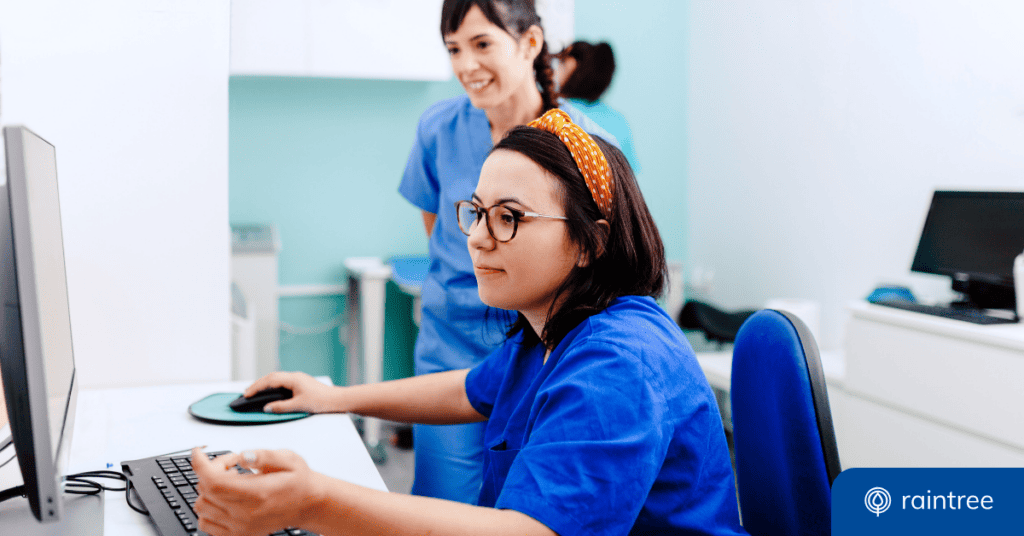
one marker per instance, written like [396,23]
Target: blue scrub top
[452,141]
[618,432]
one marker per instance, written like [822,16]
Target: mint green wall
[321,159]
[649,89]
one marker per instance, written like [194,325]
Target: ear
[532,41]
[606,230]
[584,260]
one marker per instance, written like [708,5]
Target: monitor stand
[981,294]
[83,515]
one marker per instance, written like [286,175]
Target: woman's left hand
[283,493]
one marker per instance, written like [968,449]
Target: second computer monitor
[974,237]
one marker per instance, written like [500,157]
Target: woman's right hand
[308,394]
[282,492]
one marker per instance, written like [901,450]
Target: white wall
[818,131]
[134,96]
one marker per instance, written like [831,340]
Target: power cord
[84,484]
[81,484]
[9,460]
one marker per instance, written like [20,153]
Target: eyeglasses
[502,221]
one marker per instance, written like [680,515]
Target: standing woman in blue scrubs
[498,53]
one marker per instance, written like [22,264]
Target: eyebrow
[471,39]
[504,200]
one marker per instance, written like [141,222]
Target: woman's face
[492,65]
[523,273]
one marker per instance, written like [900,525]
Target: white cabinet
[379,39]
[924,391]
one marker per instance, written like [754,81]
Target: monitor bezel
[982,290]
[21,359]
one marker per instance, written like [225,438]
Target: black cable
[9,460]
[128,498]
[17,491]
[80,484]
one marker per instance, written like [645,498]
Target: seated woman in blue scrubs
[598,418]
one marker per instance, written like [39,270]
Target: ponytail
[545,78]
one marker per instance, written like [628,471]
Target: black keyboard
[166,487]
[956,313]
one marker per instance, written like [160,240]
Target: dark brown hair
[514,17]
[595,66]
[626,258]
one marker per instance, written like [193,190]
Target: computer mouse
[260,399]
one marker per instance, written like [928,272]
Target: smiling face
[524,273]
[493,66]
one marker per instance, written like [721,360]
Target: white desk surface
[115,425]
[1010,336]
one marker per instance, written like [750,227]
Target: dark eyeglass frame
[517,216]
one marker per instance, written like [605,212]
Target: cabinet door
[379,39]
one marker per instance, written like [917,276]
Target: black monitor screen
[972,235]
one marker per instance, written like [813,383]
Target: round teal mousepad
[214,409]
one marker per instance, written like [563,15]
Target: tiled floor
[397,469]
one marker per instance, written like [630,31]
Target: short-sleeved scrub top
[618,432]
[456,329]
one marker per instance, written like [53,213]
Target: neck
[537,320]
[519,109]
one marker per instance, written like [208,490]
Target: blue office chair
[786,454]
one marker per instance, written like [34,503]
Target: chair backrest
[786,454]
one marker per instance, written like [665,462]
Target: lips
[486,270]
[477,85]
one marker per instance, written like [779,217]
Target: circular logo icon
[877,500]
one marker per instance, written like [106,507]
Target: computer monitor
[974,237]
[36,360]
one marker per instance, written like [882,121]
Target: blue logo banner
[957,501]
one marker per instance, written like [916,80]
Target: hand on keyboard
[234,504]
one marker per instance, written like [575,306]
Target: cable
[80,484]
[13,456]
[17,491]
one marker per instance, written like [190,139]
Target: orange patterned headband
[588,156]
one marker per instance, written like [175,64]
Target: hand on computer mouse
[259,401]
[308,394]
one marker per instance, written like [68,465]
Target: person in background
[598,418]
[499,55]
[583,73]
